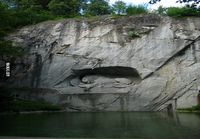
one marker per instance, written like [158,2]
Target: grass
[191,109]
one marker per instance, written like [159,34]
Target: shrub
[6,99]
[191,109]
[136,9]
[9,103]
[182,12]
[119,7]
[161,10]
[25,105]
[133,34]
[58,7]
[29,16]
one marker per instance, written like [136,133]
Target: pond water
[142,125]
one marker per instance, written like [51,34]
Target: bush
[9,51]
[58,7]
[29,16]
[182,12]
[133,34]
[192,109]
[8,103]
[136,9]
[6,99]
[161,10]
[12,18]
[25,105]
[119,7]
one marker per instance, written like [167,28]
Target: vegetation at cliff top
[182,12]
[18,13]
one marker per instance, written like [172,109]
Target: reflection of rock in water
[192,122]
[112,125]
[198,98]
[170,108]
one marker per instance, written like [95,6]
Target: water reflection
[106,125]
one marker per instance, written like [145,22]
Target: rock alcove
[105,77]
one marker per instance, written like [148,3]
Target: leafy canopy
[98,7]
[119,7]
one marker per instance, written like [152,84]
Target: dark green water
[103,125]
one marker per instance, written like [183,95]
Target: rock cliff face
[140,63]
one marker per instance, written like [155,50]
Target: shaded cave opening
[115,71]
[105,73]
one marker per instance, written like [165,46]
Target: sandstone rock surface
[97,65]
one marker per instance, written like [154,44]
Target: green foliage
[133,34]
[136,9]
[65,8]
[192,109]
[161,10]
[25,105]
[58,7]
[12,18]
[98,7]
[6,99]
[5,17]
[182,12]
[7,24]
[8,51]
[119,7]
[30,16]
[8,103]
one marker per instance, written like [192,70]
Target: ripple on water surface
[103,125]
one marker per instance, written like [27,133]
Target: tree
[58,7]
[98,7]
[65,8]
[43,3]
[83,4]
[161,10]
[22,3]
[8,53]
[5,19]
[119,7]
